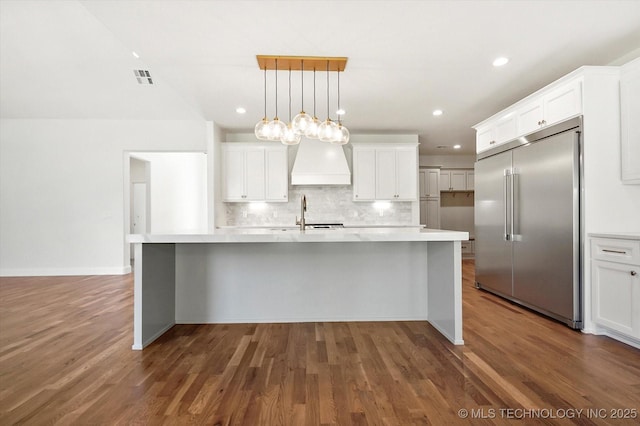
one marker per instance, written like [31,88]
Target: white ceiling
[72,59]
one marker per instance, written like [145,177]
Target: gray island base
[257,276]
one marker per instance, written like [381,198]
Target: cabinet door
[562,103]
[470,181]
[506,128]
[484,138]
[458,180]
[234,175]
[386,174]
[433,213]
[445,180]
[616,297]
[530,117]
[254,172]
[277,173]
[433,182]
[423,212]
[406,174]
[423,182]
[364,174]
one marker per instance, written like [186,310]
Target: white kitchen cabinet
[544,108]
[430,212]
[254,172]
[364,174]
[276,174]
[615,285]
[385,172]
[456,180]
[470,180]
[497,132]
[550,107]
[429,182]
[629,122]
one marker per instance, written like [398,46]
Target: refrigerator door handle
[506,202]
[514,204]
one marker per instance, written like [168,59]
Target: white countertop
[280,234]
[621,235]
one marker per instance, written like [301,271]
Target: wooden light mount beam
[295,63]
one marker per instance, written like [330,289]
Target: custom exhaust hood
[320,163]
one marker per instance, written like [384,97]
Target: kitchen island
[285,275]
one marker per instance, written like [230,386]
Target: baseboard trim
[53,272]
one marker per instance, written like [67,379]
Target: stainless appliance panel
[493,250]
[544,211]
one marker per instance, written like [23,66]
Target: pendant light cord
[289,95]
[339,115]
[276,87]
[314,92]
[328,91]
[265,92]
[302,83]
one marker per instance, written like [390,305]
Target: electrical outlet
[244,213]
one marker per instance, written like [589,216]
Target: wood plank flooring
[66,358]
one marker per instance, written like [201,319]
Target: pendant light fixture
[312,130]
[262,128]
[341,136]
[302,120]
[276,127]
[290,136]
[303,124]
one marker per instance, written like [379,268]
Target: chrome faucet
[303,208]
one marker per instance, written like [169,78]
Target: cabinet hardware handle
[614,251]
[544,121]
[356,195]
[492,142]
[539,123]
[634,273]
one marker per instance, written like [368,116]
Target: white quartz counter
[620,235]
[278,234]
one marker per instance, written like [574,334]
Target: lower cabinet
[615,285]
[468,248]
[430,212]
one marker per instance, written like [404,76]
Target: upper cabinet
[456,180]
[544,108]
[550,108]
[429,182]
[497,132]
[630,121]
[254,172]
[385,172]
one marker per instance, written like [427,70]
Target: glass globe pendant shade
[312,129]
[290,137]
[301,122]
[262,129]
[326,130]
[341,136]
[276,129]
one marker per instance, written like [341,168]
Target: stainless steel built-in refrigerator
[527,221]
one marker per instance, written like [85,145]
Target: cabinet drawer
[616,250]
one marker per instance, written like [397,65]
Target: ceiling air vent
[143,76]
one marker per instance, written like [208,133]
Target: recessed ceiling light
[240,110]
[498,62]
[457,146]
[437,112]
[135,55]
[340,111]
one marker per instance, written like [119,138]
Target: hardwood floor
[66,358]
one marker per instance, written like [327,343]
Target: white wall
[62,190]
[178,191]
[448,161]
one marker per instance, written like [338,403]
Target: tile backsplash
[325,204]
